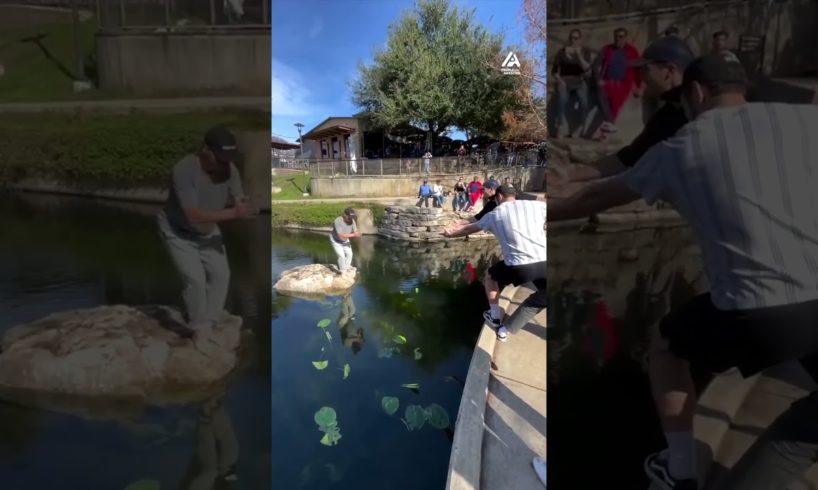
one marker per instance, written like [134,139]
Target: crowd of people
[604,79]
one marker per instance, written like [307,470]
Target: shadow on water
[64,253]
[606,291]
[431,295]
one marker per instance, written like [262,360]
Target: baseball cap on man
[670,49]
[507,190]
[716,68]
[491,184]
[223,144]
[349,212]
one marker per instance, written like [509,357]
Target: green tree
[435,73]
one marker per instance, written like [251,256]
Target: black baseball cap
[507,190]
[491,184]
[223,145]
[350,212]
[670,49]
[722,68]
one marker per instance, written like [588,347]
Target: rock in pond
[316,280]
[116,352]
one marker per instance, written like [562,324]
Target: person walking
[459,199]
[760,251]
[437,194]
[619,79]
[424,194]
[427,162]
[475,189]
[571,69]
[520,228]
[205,190]
[343,228]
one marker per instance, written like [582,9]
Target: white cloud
[316,28]
[289,93]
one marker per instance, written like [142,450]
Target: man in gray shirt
[343,229]
[205,189]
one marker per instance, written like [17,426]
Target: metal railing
[418,167]
[182,15]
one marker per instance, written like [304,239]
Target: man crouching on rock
[343,229]
[205,189]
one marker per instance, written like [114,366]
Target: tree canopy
[436,73]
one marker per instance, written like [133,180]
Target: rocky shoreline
[416,224]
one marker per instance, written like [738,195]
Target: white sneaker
[541,469]
[502,333]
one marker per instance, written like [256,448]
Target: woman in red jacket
[475,191]
[618,78]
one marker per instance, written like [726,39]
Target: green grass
[319,213]
[293,185]
[107,149]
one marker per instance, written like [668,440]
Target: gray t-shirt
[340,226]
[191,187]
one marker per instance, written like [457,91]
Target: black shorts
[750,340]
[519,274]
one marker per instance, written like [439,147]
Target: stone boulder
[316,280]
[116,352]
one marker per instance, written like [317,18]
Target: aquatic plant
[346,371]
[414,387]
[418,354]
[437,416]
[324,323]
[387,352]
[326,419]
[399,339]
[414,417]
[320,365]
[390,404]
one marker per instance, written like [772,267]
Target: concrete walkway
[501,424]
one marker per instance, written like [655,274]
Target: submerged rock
[116,352]
[316,280]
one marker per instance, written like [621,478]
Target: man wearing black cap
[744,176]
[343,229]
[520,228]
[205,190]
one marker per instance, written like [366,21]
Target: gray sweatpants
[202,263]
[344,253]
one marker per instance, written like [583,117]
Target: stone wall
[419,224]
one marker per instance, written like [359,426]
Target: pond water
[62,253]
[605,290]
[428,295]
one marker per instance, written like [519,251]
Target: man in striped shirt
[520,228]
[744,176]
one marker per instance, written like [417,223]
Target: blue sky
[317,44]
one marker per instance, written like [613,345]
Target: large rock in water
[116,352]
[315,280]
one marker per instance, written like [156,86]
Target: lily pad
[388,352]
[324,323]
[399,339]
[346,371]
[144,485]
[415,387]
[325,417]
[417,290]
[390,404]
[418,354]
[414,417]
[437,416]
[331,436]
[319,365]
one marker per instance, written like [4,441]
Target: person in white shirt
[437,194]
[744,177]
[520,228]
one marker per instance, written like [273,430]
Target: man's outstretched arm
[462,231]
[604,167]
[591,199]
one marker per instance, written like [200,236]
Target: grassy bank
[319,214]
[293,185]
[121,150]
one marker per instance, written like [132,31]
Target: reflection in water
[602,304]
[217,448]
[351,337]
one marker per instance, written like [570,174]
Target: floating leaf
[329,336]
[414,417]
[324,323]
[415,387]
[390,404]
[346,371]
[418,354]
[410,300]
[325,417]
[417,290]
[319,365]
[437,416]
[388,351]
[331,436]
[144,485]
[399,339]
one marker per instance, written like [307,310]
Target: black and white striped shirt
[519,227]
[746,179]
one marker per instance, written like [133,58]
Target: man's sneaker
[491,320]
[541,469]
[502,333]
[656,468]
